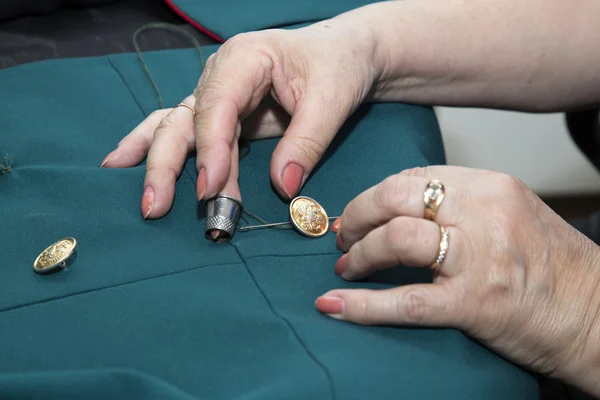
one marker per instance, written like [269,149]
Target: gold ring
[433,197]
[188,107]
[55,256]
[443,249]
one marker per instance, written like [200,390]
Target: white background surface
[536,148]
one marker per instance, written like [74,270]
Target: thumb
[419,304]
[315,122]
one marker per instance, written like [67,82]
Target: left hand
[166,137]
[516,276]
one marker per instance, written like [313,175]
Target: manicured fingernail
[105,159]
[330,305]
[292,178]
[339,242]
[335,227]
[201,185]
[341,264]
[148,201]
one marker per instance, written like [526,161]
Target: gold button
[55,256]
[309,217]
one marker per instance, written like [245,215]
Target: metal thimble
[222,214]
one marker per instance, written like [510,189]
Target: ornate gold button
[309,217]
[55,256]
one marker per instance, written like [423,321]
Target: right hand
[318,75]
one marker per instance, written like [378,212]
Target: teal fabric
[227,18]
[151,309]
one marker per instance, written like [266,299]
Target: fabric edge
[192,22]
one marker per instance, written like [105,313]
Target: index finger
[236,81]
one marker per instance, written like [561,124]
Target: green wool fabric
[153,310]
[227,18]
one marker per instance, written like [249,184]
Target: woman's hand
[427,52]
[318,75]
[515,276]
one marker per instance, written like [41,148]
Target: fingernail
[292,177]
[335,227]
[148,201]
[201,185]
[105,159]
[330,305]
[339,242]
[341,265]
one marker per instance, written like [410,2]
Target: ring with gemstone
[433,197]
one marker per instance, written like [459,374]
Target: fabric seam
[126,85]
[308,352]
[81,292]
[291,255]
[193,22]
[188,173]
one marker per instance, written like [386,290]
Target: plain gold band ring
[443,249]
[188,107]
[432,197]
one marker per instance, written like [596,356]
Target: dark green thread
[168,27]
[5,166]
[244,145]
[263,221]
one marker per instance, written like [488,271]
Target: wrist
[423,52]
[584,369]
[362,29]
[506,55]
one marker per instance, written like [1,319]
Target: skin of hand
[501,54]
[516,276]
[536,304]
[313,75]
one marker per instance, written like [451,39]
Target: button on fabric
[55,256]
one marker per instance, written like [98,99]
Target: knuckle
[168,127]
[511,185]
[215,145]
[394,192]
[156,114]
[243,40]
[236,40]
[357,262]
[211,59]
[165,124]
[401,230]
[411,307]
[182,143]
[208,99]
[364,307]
[160,170]
[310,147]
[419,172]
[202,148]
[383,192]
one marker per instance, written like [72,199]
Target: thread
[244,145]
[5,166]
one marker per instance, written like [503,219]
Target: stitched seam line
[135,100]
[308,352]
[81,292]
[292,255]
[126,85]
